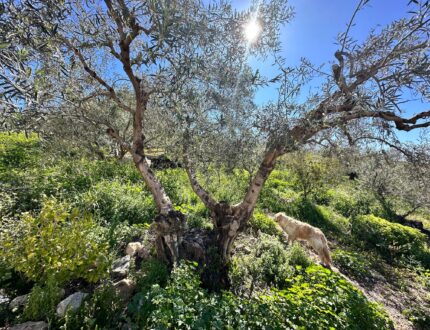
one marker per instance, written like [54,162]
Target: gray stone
[3,297]
[72,302]
[125,288]
[18,302]
[40,325]
[121,266]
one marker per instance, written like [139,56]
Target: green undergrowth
[393,241]
[64,219]
[314,298]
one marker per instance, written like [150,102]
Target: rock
[18,302]
[121,266]
[125,288]
[133,248]
[3,297]
[40,325]
[72,302]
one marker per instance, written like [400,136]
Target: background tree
[312,173]
[399,183]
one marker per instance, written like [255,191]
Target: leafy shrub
[350,201]
[59,243]
[280,180]
[103,310]
[391,240]
[424,277]
[353,264]
[120,234]
[264,223]
[181,304]
[117,202]
[316,299]
[177,186]
[197,215]
[297,256]
[17,150]
[7,203]
[332,221]
[228,186]
[419,316]
[277,192]
[19,180]
[43,301]
[151,272]
[267,263]
[320,299]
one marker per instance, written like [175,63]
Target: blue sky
[312,33]
[316,24]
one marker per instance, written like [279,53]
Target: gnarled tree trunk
[212,249]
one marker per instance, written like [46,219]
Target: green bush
[43,301]
[151,272]
[18,151]
[321,299]
[59,243]
[391,240]
[277,192]
[280,180]
[120,234]
[229,186]
[311,173]
[297,256]
[354,264]
[264,223]
[197,215]
[117,202]
[20,189]
[266,263]
[177,186]
[419,316]
[349,201]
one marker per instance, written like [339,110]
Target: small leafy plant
[43,301]
[57,243]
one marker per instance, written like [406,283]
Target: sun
[252,30]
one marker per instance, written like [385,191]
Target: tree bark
[257,183]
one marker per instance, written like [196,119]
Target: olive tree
[400,182]
[186,63]
[59,57]
[368,85]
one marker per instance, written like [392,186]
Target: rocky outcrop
[72,302]
[121,267]
[18,302]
